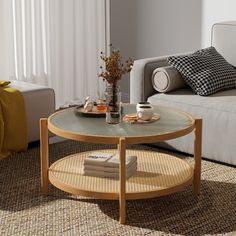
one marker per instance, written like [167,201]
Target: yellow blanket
[13,125]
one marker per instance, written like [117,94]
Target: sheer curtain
[55,43]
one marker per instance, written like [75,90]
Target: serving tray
[94,113]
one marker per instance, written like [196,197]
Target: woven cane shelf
[158,174]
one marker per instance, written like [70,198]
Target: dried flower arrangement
[114,68]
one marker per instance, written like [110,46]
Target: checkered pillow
[205,71]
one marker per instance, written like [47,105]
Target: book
[96,173]
[98,157]
[111,169]
[108,159]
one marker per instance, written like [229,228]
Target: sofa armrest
[141,77]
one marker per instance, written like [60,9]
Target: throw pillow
[205,71]
[166,79]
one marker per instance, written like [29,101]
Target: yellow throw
[13,124]
[4,83]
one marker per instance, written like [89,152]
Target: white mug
[145,112]
[142,104]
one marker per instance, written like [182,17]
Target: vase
[113,102]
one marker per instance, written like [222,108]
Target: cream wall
[149,28]
[215,11]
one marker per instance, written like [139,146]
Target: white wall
[122,34]
[156,27]
[150,28]
[215,11]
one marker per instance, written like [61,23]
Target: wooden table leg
[44,155]
[122,201]
[197,155]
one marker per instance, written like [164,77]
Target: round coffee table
[158,174]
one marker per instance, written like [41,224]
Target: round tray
[94,113]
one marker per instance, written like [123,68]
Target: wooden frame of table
[121,142]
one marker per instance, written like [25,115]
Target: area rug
[25,211]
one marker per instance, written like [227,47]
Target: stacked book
[107,165]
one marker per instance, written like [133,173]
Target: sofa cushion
[205,71]
[166,79]
[218,112]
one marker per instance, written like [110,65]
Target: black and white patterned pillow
[205,71]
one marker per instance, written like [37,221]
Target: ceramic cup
[145,112]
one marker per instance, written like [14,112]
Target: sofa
[218,111]
[39,103]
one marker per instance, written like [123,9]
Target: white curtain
[55,43]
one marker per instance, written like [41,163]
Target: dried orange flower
[114,68]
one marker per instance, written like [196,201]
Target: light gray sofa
[218,111]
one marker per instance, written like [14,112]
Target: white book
[98,157]
[107,159]
[89,167]
[128,174]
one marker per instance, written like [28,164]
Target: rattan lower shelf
[158,174]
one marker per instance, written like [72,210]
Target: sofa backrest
[223,38]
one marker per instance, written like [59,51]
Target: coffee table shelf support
[197,155]
[44,155]
[122,200]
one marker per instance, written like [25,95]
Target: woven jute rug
[25,211]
